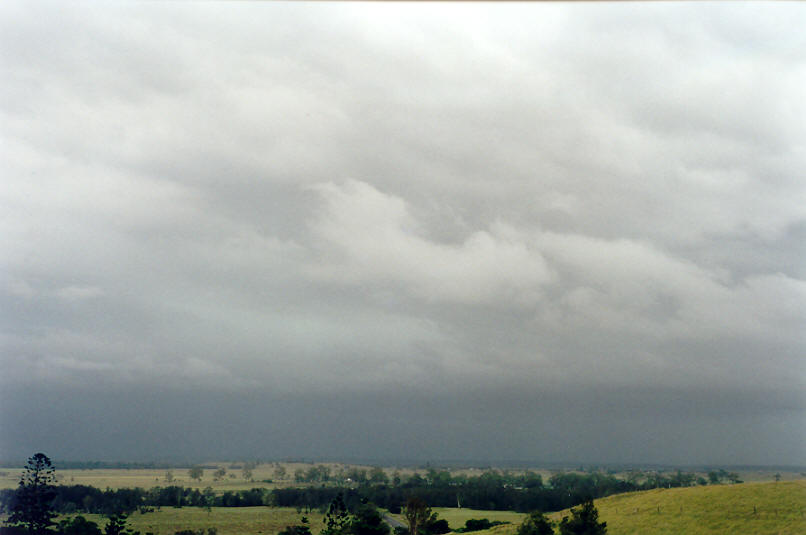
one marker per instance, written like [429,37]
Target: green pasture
[758,508]
[117,478]
[780,509]
[227,520]
[457,517]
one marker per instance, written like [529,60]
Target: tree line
[491,490]
[32,510]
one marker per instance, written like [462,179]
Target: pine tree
[32,505]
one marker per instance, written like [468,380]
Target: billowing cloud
[529,219]
[374,239]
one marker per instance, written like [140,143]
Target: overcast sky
[452,231]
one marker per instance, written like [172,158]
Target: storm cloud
[537,232]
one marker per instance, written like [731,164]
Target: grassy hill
[757,508]
[749,508]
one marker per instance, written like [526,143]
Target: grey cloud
[428,201]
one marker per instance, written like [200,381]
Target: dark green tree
[536,524]
[733,477]
[79,526]
[303,529]
[378,476]
[116,525]
[337,519]
[367,520]
[583,521]
[196,472]
[437,526]
[32,507]
[418,515]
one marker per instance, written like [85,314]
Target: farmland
[118,478]
[226,520]
[758,508]
[761,505]
[780,508]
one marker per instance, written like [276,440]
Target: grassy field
[779,509]
[234,480]
[758,508]
[457,517]
[147,478]
[227,520]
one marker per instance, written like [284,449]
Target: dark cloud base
[594,426]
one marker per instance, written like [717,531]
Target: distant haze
[440,231]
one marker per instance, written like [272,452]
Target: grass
[116,478]
[227,520]
[457,517]
[779,509]
[758,508]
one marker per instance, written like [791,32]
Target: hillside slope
[748,508]
[757,508]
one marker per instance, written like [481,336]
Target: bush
[536,524]
[439,527]
[584,521]
[78,526]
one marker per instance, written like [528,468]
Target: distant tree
[219,474]
[32,507]
[303,529]
[116,525]
[437,526]
[583,521]
[196,472]
[78,526]
[169,476]
[337,519]
[733,477]
[357,475]
[633,476]
[247,473]
[416,480]
[535,524]
[367,520]
[279,472]
[208,497]
[324,472]
[777,477]
[417,515]
[378,476]
[532,480]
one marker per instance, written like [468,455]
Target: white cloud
[368,236]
